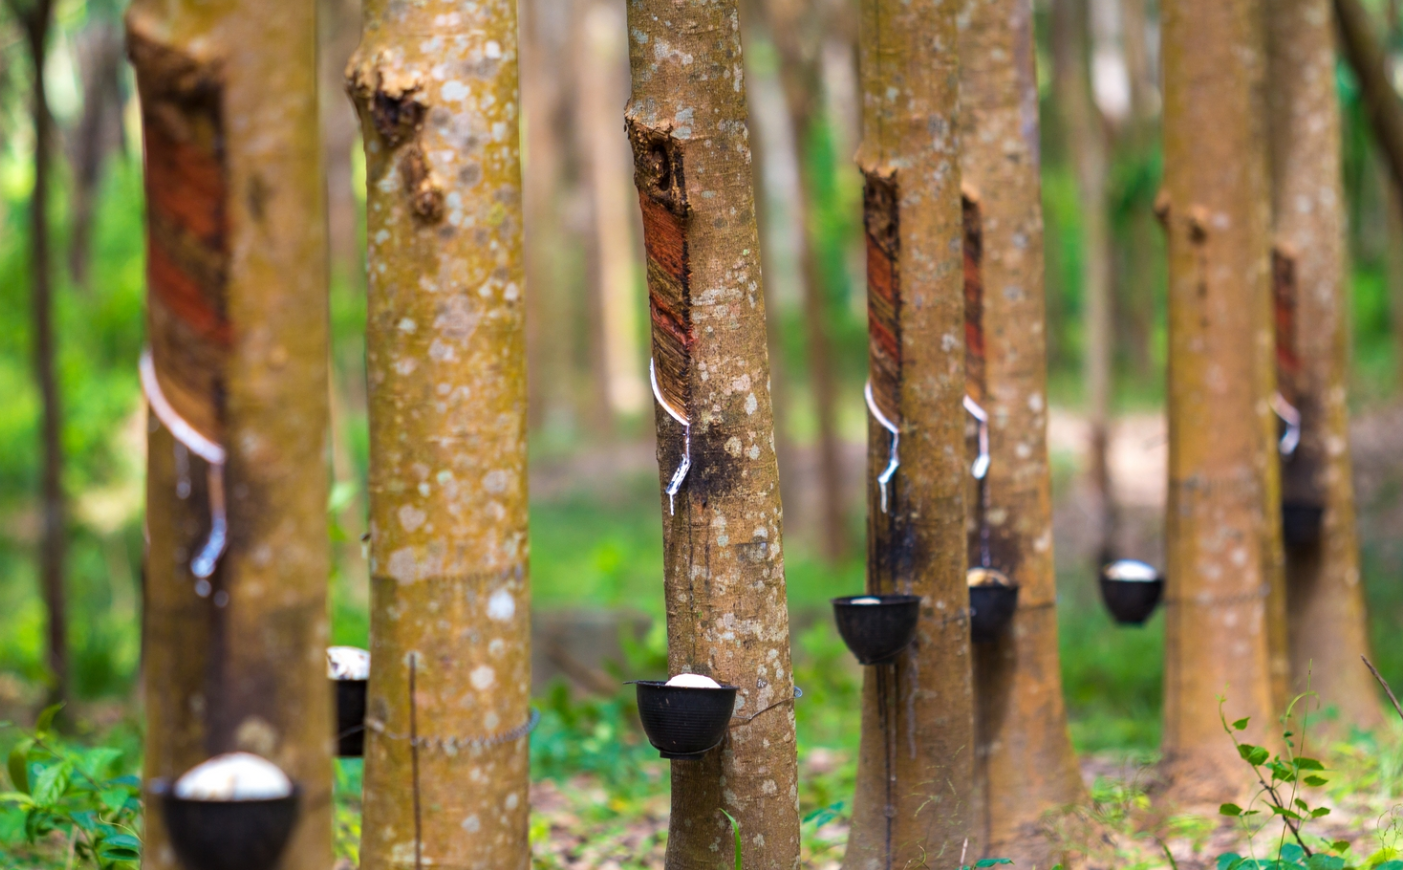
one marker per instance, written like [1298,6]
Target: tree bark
[339,23]
[723,555]
[235,642]
[599,73]
[35,22]
[798,30]
[1024,758]
[1086,144]
[1327,623]
[1365,56]
[99,133]
[447,716]
[1223,484]
[914,803]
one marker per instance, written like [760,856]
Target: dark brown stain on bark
[881,220]
[425,195]
[974,295]
[660,176]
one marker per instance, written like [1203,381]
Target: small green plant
[735,832]
[1280,795]
[77,792]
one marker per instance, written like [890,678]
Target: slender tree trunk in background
[1086,144]
[797,29]
[100,59]
[723,556]
[436,88]
[914,803]
[1024,759]
[237,320]
[35,21]
[1394,265]
[339,25]
[600,54]
[548,345]
[1365,55]
[1327,621]
[1222,459]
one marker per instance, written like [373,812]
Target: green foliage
[81,795]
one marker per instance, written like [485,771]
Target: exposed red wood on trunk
[1283,294]
[881,220]
[974,297]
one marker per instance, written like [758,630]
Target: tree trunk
[100,59]
[339,23]
[798,29]
[1222,463]
[446,748]
[549,341]
[600,57]
[1327,622]
[1024,754]
[235,639]
[723,556]
[1366,58]
[914,803]
[1086,144]
[35,22]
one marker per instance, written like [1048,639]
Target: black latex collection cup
[1301,523]
[226,834]
[684,721]
[1131,590]
[879,629]
[350,717]
[991,606]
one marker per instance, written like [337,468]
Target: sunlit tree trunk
[1325,599]
[446,747]
[915,778]
[1086,146]
[35,20]
[235,640]
[723,556]
[98,134]
[1222,459]
[1024,754]
[797,28]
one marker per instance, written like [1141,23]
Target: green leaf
[1253,755]
[1340,846]
[1315,780]
[114,799]
[51,784]
[1229,810]
[1302,804]
[1390,865]
[45,722]
[1325,862]
[19,765]
[991,862]
[1292,852]
[1282,811]
[1319,812]
[16,797]
[1239,725]
[1308,764]
[735,827]
[1228,860]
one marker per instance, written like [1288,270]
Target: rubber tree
[1328,628]
[1223,480]
[35,20]
[1024,761]
[447,712]
[798,29]
[235,615]
[914,803]
[722,549]
[1085,138]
